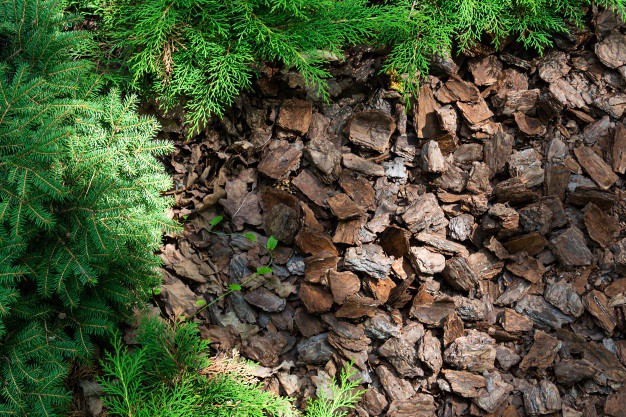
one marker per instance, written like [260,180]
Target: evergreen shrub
[207,51]
[80,210]
[171,375]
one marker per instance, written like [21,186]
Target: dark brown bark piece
[531,243]
[601,227]
[318,265]
[311,242]
[429,311]
[570,248]
[372,129]
[359,189]
[316,299]
[282,158]
[542,352]
[264,349]
[557,178]
[460,274]
[452,329]
[486,71]
[295,115]
[312,187]
[619,149]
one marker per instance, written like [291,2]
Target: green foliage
[164,378]
[80,209]
[170,374]
[207,51]
[339,398]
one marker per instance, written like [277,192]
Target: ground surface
[467,254]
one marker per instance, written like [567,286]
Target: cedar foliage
[207,51]
[80,209]
[171,375]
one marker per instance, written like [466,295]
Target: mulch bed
[467,254]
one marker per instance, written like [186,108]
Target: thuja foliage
[171,374]
[207,51]
[80,209]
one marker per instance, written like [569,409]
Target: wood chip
[594,165]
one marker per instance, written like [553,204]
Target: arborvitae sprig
[80,209]
[170,375]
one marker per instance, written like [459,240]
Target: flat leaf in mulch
[242,202]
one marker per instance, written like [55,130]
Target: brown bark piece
[526,165]
[343,207]
[531,243]
[359,189]
[425,120]
[497,150]
[520,101]
[312,187]
[466,384]
[542,353]
[476,112]
[557,178]
[282,158]
[460,274]
[264,349]
[475,352]
[425,214]
[611,50]
[349,231]
[619,149]
[426,309]
[443,245]
[594,165]
[514,322]
[372,129]
[452,329]
[570,248]
[318,265]
[316,299]
[343,285]
[601,227]
[311,242]
[362,165]
[455,89]
[295,115]
[597,305]
[486,71]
